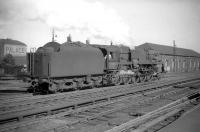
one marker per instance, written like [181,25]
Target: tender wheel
[44,88]
[142,78]
[133,79]
[137,79]
[127,80]
[116,80]
[53,88]
[158,76]
[148,78]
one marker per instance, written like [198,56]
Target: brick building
[174,59]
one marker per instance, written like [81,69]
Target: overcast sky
[131,22]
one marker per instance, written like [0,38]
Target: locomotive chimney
[87,41]
[69,39]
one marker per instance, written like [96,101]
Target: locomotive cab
[116,57]
[112,58]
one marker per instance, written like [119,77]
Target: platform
[190,122]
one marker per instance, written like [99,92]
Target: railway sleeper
[93,117]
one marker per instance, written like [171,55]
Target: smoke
[91,20]
[86,19]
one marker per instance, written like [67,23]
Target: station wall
[180,63]
[174,59]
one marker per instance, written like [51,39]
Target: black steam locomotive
[74,65]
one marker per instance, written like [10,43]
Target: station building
[16,48]
[174,59]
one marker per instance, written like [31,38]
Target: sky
[128,22]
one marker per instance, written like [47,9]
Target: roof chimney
[111,43]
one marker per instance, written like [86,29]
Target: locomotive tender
[74,65]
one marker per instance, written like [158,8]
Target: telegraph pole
[174,53]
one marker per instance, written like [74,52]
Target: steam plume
[93,20]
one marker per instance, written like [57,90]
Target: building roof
[169,50]
[11,41]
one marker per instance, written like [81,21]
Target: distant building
[16,48]
[174,59]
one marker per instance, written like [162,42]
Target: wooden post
[174,53]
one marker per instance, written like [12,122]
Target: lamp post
[31,62]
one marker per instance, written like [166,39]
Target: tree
[8,64]
[9,60]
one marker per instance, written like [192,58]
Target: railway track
[10,97]
[23,99]
[4,98]
[100,101]
[18,110]
[161,117]
[111,112]
[61,95]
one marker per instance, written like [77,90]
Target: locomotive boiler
[74,65]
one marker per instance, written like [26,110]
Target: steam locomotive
[74,66]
